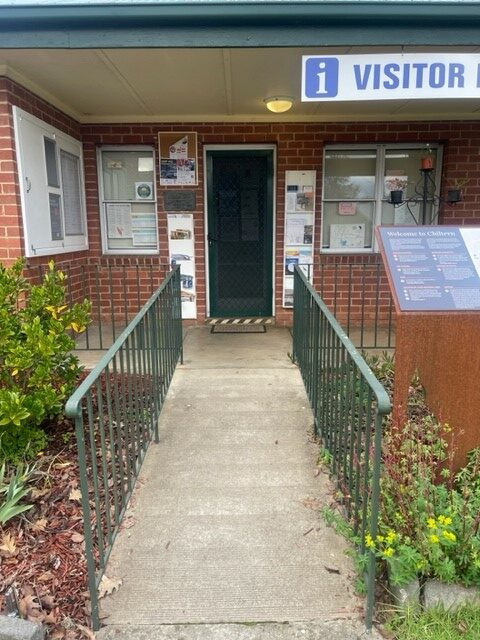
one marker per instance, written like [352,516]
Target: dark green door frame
[233,152]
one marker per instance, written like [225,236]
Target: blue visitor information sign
[390,76]
[433,268]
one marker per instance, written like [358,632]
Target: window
[127,191]
[52,187]
[356,192]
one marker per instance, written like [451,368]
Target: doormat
[238,328]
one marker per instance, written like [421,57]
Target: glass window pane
[348,231]
[407,213]
[55,216]
[72,201]
[350,174]
[51,162]
[128,175]
[402,171]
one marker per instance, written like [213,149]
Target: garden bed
[42,555]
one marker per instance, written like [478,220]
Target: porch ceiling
[187,85]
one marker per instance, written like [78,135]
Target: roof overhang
[205,85]
[239,24]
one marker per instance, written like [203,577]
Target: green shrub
[37,370]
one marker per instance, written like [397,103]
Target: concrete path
[225,524]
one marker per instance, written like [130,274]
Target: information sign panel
[433,268]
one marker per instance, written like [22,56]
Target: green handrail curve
[116,410]
[349,406]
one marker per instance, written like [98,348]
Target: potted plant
[427,160]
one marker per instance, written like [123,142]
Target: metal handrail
[349,406]
[116,410]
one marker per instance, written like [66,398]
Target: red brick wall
[299,147]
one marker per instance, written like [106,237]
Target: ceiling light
[279,104]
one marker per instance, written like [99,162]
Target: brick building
[131,135]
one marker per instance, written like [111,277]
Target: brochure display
[181,243]
[178,158]
[299,226]
[434,276]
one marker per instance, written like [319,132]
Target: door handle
[211,239]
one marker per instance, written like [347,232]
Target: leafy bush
[37,370]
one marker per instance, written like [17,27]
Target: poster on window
[178,158]
[119,220]
[347,236]
[299,227]
[181,243]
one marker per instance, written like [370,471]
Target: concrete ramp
[225,525]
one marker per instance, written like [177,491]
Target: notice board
[433,268]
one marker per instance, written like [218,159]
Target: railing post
[87,522]
[375,507]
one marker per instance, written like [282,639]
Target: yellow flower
[389,552]
[391,537]
[447,521]
[380,538]
[431,523]
[369,541]
[435,539]
[441,519]
[449,535]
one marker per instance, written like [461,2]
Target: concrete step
[333,629]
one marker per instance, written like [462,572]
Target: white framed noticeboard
[347,236]
[299,228]
[181,243]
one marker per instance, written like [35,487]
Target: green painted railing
[349,406]
[116,410]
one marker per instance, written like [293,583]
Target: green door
[240,232]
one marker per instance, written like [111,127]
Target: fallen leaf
[312,503]
[39,493]
[108,585]
[62,465]
[462,626]
[75,494]
[45,577]
[50,618]
[40,524]
[316,473]
[332,569]
[47,602]
[30,608]
[77,537]
[8,548]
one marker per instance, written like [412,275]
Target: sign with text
[433,268]
[390,76]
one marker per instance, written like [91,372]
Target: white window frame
[379,186]
[70,243]
[103,202]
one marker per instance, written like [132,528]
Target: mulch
[43,569]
